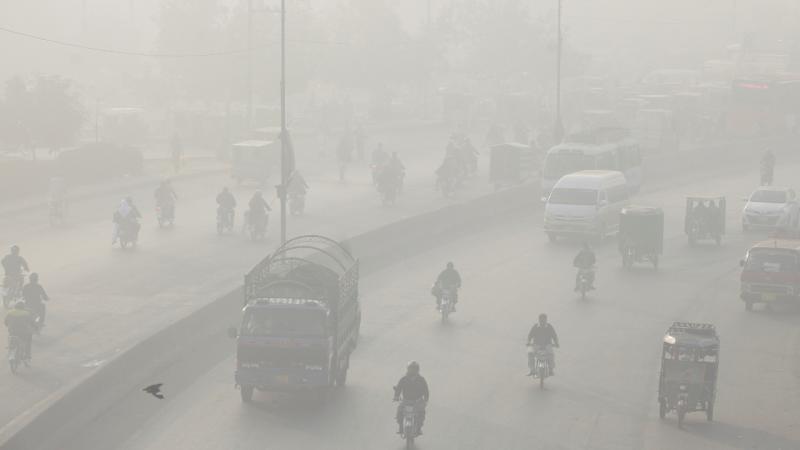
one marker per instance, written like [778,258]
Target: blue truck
[301,319]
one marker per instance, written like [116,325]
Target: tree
[44,113]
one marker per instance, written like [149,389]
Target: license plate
[768,297]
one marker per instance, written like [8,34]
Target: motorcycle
[446,303]
[255,227]
[165,213]
[38,310]
[225,220]
[539,362]
[16,353]
[12,289]
[388,191]
[128,233]
[411,411]
[585,280]
[297,203]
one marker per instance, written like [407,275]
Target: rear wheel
[409,432]
[247,393]
[341,376]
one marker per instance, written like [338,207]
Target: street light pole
[558,132]
[284,133]
[249,66]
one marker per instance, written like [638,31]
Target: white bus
[601,149]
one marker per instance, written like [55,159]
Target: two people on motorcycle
[15,267]
[585,261]
[543,336]
[767,168]
[126,217]
[34,296]
[390,177]
[448,280]
[21,324]
[412,388]
[165,199]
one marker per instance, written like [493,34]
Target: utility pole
[284,133]
[249,66]
[558,132]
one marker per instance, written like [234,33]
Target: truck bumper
[283,379]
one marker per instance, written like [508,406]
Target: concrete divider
[69,411]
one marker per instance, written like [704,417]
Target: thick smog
[419,224]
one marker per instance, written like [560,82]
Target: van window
[568,196]
[617,194]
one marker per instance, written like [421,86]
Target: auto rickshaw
[705,219]
[641,235]
[689,364]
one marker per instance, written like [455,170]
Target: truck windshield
[772,260]
[283,322]
[768,197]
[564,196]
[559,164]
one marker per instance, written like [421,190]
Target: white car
[770,207]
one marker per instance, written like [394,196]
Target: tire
[681,414]
[444,315]
[220,228]
[662,408]
[13,362]
[710,411]
[409,438]
[123,243]
[247,393]
[583,293]
[748,305]
[341,375]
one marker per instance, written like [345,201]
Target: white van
[586,203]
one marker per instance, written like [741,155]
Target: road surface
[604,394]
[105,299]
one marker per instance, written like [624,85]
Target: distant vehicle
[255,226]
[255,160]
[689,366]
[411,416]
[601,149]
[447,303]
[641,235]
[128,233]
[539,362]
[301,319]
[770,208]
[708,223]
[586,203]
[771,273]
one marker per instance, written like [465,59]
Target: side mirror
[233,333]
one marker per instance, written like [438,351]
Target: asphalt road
[604,394]
[104,299]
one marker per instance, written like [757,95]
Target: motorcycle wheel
[220,228]
[445,313]
[13,360]
[583,291]
[123,243]
[710,411]
[409,435]
[542,376]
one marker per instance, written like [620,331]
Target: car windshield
[559,164]
[565,196]
[772,260]
[283,322]
[769,197]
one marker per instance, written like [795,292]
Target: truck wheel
[247,393]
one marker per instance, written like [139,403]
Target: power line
[158,55]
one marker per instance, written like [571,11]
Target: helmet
[34,277]
[15,249]
[224,188]
[258,193]
[413,367]
[129,200]
[450,265]
[542,317]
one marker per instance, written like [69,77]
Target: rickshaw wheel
[662,408]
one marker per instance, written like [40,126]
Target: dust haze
[375,224]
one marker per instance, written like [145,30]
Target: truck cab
[771,273]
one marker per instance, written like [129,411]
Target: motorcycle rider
[767,167]
[127,215]
[397,169]
[297,184]
[226,202]
[20,324]
[585,261]
[165,197]
[258,208]
[450,279]
[14,265]
[34,296]
[412,388]
[379,160]
[543,334]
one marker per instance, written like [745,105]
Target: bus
[600,149]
